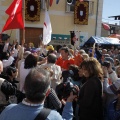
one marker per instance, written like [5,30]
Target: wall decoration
[81,12]
[32,10]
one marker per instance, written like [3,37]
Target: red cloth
[51,1]
[15,19]
[78,59]
[64,64]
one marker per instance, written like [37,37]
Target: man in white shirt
[51,59]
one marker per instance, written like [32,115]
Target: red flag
[51,1]
[15,19]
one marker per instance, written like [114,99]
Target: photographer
[111,85]
[12,74]
[71,75]
[7,88]
[111,60]
[37,87]
[70,80]
[111,82]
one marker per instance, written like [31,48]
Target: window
[70,8]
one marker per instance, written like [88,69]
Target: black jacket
[8,89]
[90,100]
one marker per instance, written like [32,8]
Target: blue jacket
[24,112]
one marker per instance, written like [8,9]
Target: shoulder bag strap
[43,114]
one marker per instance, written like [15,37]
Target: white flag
[47,29]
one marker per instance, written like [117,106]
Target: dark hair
[75,70]
[5,55]
[5,37]
[93,67]
[58,47]
[66,50]
[16,46]
[30,61]
[10,70]
[51,58]
[36,84]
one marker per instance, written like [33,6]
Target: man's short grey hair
[36,84]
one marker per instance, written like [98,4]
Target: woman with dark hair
[90,96]
[29,63]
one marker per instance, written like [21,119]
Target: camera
[67,75]
[63,90]
[106,64]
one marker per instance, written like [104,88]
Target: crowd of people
[48,83]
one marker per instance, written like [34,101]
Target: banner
[47,29]
[81,12]
[32,10]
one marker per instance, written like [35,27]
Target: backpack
[43,114]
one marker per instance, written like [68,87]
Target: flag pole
[10,33]
[23,37]
[47,4]
[74,49]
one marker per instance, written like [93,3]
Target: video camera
[106,64]
[67,75]
[63,90]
